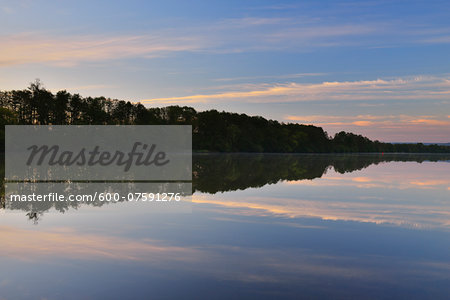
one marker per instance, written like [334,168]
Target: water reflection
[262,227]
[213,173]
[407,194]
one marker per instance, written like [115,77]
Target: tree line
[213,131]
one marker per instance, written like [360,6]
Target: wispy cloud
[444,39]
[398,128]
[69,50]
[276,7]
[370,120]
[283,34]
[285,76]
[430,182]
[250,21]
[431,122]
[229,35]
[417,87]
[223,36]
[305,33]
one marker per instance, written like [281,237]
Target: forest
[212,131]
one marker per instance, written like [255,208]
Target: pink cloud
[409,88]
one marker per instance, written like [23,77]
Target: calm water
[261,227]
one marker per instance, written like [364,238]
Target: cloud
[431,122]
[370,120]
[333,119]
[363,123]
[70,50]
[416,87]
[296,75]
[396,128]
[223,36]
[250,21]
[393,127]
[300,34]
[234,35]
[87,87]
[276,7]
[430,182]
[438,40]
[321,32]
[362,179]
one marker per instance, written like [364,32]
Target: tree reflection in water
[213,173]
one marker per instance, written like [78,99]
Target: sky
[376,68]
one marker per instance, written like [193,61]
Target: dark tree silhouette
[213,131]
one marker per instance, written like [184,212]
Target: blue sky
[377,68]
